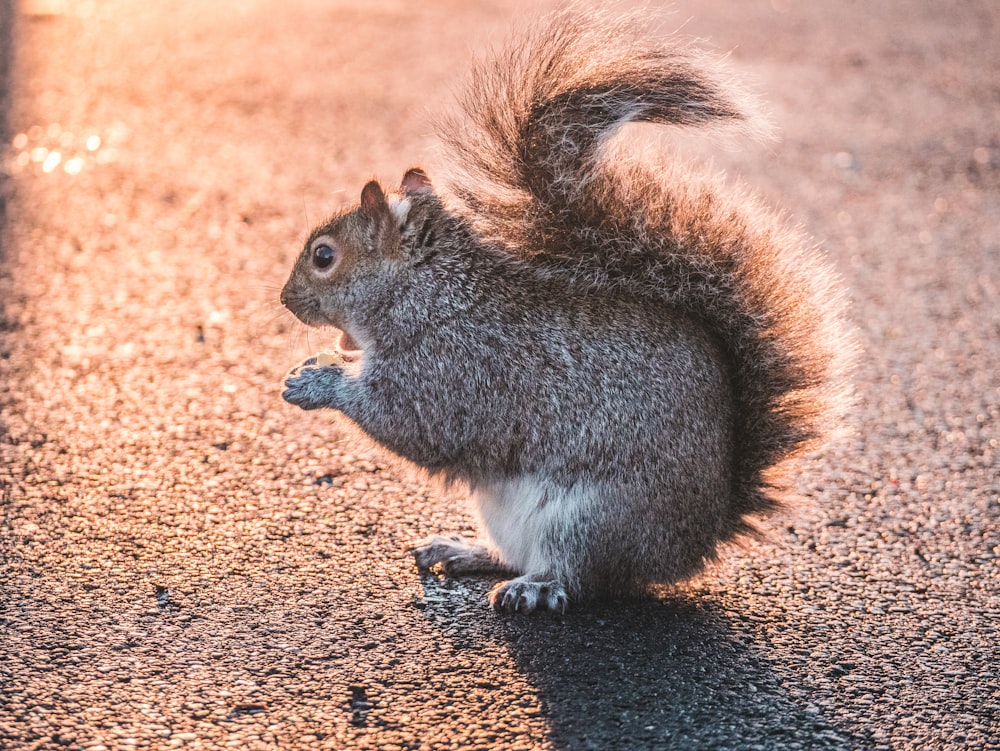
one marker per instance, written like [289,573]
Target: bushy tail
[536,177]
[536,114]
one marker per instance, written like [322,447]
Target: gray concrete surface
[186,562]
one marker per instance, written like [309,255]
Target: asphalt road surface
[188,562]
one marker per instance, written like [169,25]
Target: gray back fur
[530,141]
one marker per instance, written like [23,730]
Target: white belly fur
[528,518]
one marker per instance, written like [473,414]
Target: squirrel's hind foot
[454,556]
[526,594]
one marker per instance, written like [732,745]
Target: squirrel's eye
[323,256]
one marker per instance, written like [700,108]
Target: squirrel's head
[355,259]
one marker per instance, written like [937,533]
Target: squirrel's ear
[372,197]
[416,181]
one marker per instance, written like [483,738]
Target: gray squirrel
[613,355]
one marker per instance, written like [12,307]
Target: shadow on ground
[664,673]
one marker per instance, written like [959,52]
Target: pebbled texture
[188,562]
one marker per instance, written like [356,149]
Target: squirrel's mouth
[345,351]
[348,348]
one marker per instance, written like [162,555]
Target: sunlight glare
[51,161]
[73,166]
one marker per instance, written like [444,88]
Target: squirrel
[614,355]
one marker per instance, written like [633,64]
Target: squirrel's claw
[299,395]
[311,384]
[321,360]
[309,362]
[526,595]
[453,556]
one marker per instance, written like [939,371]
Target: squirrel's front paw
[526,595]
[312,384]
